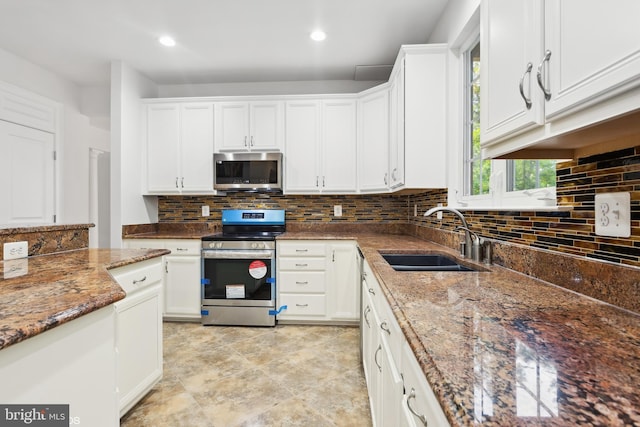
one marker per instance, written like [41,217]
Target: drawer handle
[181,249]
[302,283]
[385,327]
[135,282]
[302,265]
[371,291]
[366,314]
[375,357]
[422,418]
[302,305]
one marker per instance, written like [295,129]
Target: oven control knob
[219,245]
[254,245]
[212,245]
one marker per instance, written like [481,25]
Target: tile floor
[239,376]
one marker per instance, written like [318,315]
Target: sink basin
[424,262]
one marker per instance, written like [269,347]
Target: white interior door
[28,174]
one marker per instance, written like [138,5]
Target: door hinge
[54,218]
[55,155]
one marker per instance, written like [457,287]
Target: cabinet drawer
[303,305]
[302,264]
[302,248]
[139,275]
[305,282]
[183,246]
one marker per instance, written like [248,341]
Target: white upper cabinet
[396,127]
[511,49]
[179,149]
[320,148]
[373,141]
[564,64]
[423,102]
[595,51]
[302,147]
[339,146]
[247,126]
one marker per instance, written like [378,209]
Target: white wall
[127,205]
[266,88]
[78,135]
[458,22]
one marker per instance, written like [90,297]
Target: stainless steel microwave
[247,171]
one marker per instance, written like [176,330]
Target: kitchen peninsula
[58,323]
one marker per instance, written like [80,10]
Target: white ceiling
[218,41]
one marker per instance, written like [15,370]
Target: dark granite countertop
[42,292]
[501,348]
[171,234]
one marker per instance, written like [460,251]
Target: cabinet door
[182,286]
[163,142]
[373,142]
[343,289]
[266,119]
[339,146]
[511,45]
[196,148]
[396,131]
[595,51]
[302,141]
[27,174]
[232,126]
[139,343]
[420,405]
[391,386]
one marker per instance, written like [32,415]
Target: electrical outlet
[15,250]
[613,214]
[205,210]
[337,210]
[439,213]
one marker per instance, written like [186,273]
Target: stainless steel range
[239,269]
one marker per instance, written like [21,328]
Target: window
[497,183]
[476,169]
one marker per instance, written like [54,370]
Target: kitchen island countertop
[502,348]
[42,292]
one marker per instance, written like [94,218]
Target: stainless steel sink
[424,262]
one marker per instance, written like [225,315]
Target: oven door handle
[233,254]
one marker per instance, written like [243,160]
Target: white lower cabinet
[74,363]
[317,281]
[182,271]
[399,394]
[138,331]
[420,407]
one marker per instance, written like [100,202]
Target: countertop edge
[114,294]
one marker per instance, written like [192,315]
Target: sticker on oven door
[235,291]
[257,269]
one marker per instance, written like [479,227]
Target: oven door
[238,278]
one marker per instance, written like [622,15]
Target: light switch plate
[205,210]
[14,250]
[337,210]
[613,214]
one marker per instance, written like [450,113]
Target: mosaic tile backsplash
[569,232]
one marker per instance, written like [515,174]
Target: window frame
[498,196]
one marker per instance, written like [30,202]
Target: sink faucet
[469,242]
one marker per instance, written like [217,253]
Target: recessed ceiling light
[318,35]
[167,41]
